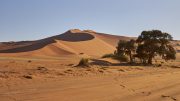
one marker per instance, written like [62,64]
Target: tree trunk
[150,60]
[144,61]
[131,58]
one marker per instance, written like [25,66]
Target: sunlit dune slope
[72,42]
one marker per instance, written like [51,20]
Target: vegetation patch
[121,70]
[42,68]
[175,67]
[84,62]
[148,45]
[108,56]
[118,57]
[27,76]
[104,67]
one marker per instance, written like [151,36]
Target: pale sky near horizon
[35,19]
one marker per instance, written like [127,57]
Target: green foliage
[84,62]
[141,53]
[169,53]
[108,56]
[126,48]
[153,43]
[149,44]
[121,57]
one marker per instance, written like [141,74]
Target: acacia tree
[126,48]
[153,43]
[141,54]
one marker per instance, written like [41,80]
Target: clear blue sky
[35,19]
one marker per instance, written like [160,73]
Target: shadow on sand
[107,63]
[67,36]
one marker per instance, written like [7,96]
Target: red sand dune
[72,42]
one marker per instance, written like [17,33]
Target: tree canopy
[149,44]
[126,48]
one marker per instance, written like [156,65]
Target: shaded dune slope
[112,39]
[71,42]
[10,45]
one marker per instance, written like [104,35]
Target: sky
[22,20]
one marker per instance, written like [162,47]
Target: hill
[72,42]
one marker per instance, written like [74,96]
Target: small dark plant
[121,58]
[27,76]
[84,62]
[108,56]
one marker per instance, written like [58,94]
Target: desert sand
[45,70]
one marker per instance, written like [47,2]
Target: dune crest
[75,36]
[74,41]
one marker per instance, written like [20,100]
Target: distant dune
[46,70]
[72,42]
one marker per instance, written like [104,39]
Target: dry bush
[84,62]
[121,58]
[108,56]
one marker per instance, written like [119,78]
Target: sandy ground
[56,79]
[72,42]
[45,70]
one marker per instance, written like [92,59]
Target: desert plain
[46,70]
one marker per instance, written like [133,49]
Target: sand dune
[46,70]
[71,42]
[112,39]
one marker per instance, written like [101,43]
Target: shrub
[27,76]
[84,62]
[108,56]
[121,58]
